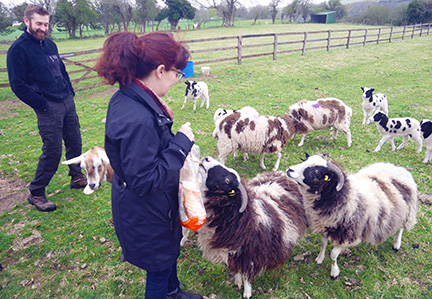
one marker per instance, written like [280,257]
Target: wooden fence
[80,65]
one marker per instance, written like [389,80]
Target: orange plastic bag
[191,207]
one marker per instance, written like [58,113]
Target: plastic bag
[191,207]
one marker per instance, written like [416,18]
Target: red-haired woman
[145,154]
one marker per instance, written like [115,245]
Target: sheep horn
[244,197]
[307,156]
[339,173]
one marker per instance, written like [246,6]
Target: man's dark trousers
[59,121]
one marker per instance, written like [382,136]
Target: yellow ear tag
[326,178]
[231,193]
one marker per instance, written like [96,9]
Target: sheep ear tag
[231,193]
[326,178]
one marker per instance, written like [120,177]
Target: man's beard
[38,34]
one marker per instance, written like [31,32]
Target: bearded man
[38,77]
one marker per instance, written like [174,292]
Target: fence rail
[249,46]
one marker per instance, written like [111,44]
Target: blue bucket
[189,69]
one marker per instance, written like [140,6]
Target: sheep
[249,132]
[320,115]
[349,209]
[391,127]
[252,227]
[373,103]
[194,91]
[97,167]
[426,130]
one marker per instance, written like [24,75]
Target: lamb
[391,127]
[348,209]
[196,90]
[320,115]
[251,227]
[97,167]
[426,130]
[249,132]
[373,103]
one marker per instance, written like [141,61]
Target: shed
[326,17]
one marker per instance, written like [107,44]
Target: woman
[145,154]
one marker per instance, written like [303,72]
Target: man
[38,77]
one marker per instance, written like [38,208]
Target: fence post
[365,37]
[391,34]
[239,49]
[379,35]
[304,43]
[421,29]
[328,40]
[412,34]
[403,34]
[275,46]
[348,39]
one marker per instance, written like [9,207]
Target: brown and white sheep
[250,228]
[349,209]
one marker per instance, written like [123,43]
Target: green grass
[77,254]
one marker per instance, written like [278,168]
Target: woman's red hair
[126,56]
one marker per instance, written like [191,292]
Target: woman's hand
[186,129]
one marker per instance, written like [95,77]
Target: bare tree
[273,9]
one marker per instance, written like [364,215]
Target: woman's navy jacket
[146,157]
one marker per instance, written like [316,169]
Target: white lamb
[196,90]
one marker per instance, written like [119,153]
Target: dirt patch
[11,193]
[108,92]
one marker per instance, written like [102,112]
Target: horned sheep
[320,115]
[372,103]
[348,209]
[251,227]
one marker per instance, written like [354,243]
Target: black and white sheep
[426,130]
[372,103]
[392,127]
[320,115]
[250,228]
[194,91]
[247,131]
[349,209]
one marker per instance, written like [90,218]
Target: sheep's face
[379,117]
[217,177]
[313,174]
[367,92]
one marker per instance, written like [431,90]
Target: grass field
[74,253]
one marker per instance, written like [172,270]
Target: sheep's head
[316,174]
[218,178]
[367,92]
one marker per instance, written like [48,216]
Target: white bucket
[205,70]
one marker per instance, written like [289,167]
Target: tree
[419,12]
[145,11]
[293,10]
[104,10]
[124,12]
[377,15]
[305,8]
[336,5]
[176,10]
[72,14]
[256,12]
[6,20]
[273,10]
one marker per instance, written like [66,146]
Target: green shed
[327,17]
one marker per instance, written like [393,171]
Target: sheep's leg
[208,102]
[247,292]
[185,232]
[262,161]
[194,108]
[279,156]
[380,144]
[334,273]
[184,103]
[365,118]
[235,155]
[417,138]
[238,280]
[335,132]
[398,242]
[302,140]
[428,155]
[321,255]
[202,101]
[404,142]
[245,156]
[349,137]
